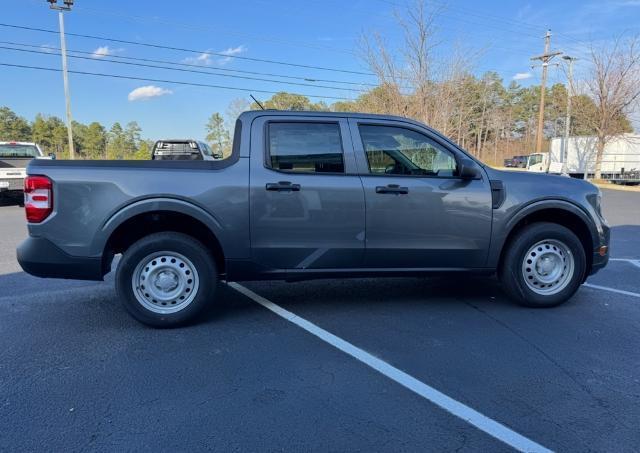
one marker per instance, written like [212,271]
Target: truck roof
[18,143]
[248,116]
[251,114]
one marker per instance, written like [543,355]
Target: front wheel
[166,279]
[543,266]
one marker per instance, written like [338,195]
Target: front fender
[504,224]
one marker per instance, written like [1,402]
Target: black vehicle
[520,161]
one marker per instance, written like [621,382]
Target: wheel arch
[559,212]
[145,217]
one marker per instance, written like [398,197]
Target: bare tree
[413,81]
[387,97]
[613,82]
[234,109]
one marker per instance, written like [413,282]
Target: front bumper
[599,261]
[41,258]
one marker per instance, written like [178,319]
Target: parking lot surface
[77,373]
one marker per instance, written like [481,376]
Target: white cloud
[147,92]
[522,76]
[102,51]
[232,51]
[48,48]
[206,58]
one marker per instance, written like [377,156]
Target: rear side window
[305,147]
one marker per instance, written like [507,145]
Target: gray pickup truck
[308,195]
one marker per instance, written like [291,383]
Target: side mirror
[52,156]
[468,169]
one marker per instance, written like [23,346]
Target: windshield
[18,151]
[535,159]
[205,149]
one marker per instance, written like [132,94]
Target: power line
[105,59]
[211,70]
[227,31]
[492,18]
[176,82]
[182,49]
[462,19]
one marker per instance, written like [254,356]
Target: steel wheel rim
[165,282]
[548,267]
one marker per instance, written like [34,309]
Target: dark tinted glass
[306,147]
[18,151]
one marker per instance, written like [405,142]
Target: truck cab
[539,163]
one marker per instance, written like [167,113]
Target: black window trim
[267,148]
[411,127]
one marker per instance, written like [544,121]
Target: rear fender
[156,204]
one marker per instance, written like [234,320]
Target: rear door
[419,213]
[306,200]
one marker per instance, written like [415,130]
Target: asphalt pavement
[77,373]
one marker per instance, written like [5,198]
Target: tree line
[91,141]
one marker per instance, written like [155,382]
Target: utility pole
[567,121]
[544,58]
[63,46]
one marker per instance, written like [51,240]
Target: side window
[398,151]
[305,147]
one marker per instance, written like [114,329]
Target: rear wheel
[166,279]
[543,266]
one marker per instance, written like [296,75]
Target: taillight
[38,198]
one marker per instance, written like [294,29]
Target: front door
[419,213]
[307,203]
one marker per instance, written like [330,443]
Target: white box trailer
[621,155]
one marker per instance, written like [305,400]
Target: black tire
[512,275]
[198,256]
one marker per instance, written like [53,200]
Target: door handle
[392,188]
[283,186]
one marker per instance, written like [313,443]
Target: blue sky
[312,32]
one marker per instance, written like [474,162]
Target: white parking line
[627,260]
[613,290]
[456,408]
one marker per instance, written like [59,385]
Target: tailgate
[12,173]
[14,162]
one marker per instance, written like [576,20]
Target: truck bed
[93,194]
